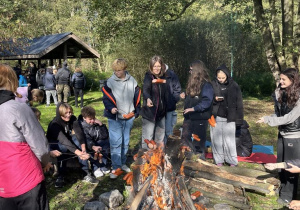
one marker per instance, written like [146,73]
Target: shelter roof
[46,47]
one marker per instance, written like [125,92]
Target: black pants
[199,128]
[78,92]
[288,149]
[35,199]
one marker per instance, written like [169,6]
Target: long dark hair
[292,91]
[198,76]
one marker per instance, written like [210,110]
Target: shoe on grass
[60,182]
[98,173]
[105,170]
[90,179]
[115,173]
[125,168]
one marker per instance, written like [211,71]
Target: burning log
[202,169]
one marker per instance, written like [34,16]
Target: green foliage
[93,79]
[257,84]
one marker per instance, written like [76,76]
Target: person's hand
[188,110]
[28,84]
[293,169]
[55,153]
[149,103]
[294,204]
[261,120]
[84,156]
[98,122]
[182,95]
[114,110]
[96,148]
[47,167]
[219,98]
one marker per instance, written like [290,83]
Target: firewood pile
[162,178]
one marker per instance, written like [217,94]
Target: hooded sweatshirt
[123,91]
[23,147]
[232,105]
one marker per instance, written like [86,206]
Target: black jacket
[61,131]
[158,93]
[78,80]
[233,101]
[174,90]
[243,140]
[201,103]
[63,76]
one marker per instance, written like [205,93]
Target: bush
[257,84]
[93,77]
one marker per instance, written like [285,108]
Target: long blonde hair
[8,78]
[197,78]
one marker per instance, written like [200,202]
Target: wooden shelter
[50,47]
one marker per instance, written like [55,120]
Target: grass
[76,193]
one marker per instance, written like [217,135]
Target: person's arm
[176,88]
[109,100]
[207,98]
[283,120]
[147,86]
[33,133]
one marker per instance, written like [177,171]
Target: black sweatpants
[288,149]
[35,199]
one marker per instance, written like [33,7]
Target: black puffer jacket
[158,93]
[78,80]
[63,75]
[233,101]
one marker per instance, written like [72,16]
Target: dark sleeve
[89,140]
[240,109]
[147,88]
[78,132]
[207,97]
[295,162]
[137,101]
[55,133]
[176,88]
[84,81]
[107,98]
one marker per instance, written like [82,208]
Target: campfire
[156,184]
[161,178]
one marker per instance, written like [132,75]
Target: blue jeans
[119,135]
[171,120]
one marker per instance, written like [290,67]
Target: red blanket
[254,158]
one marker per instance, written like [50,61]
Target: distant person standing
[32,70]
[18,70]
[173,97]
[78,82]
[63,79]
[50,86]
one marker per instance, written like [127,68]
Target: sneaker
[220,164]
[113,176]
[232,165]
[90,179]
[125,168]
[98,173]
[105,170]
[59,183]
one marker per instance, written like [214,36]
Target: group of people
[53,82]
[217,103]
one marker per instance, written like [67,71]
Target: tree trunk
[267,38]
[287,30]
[277,37]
